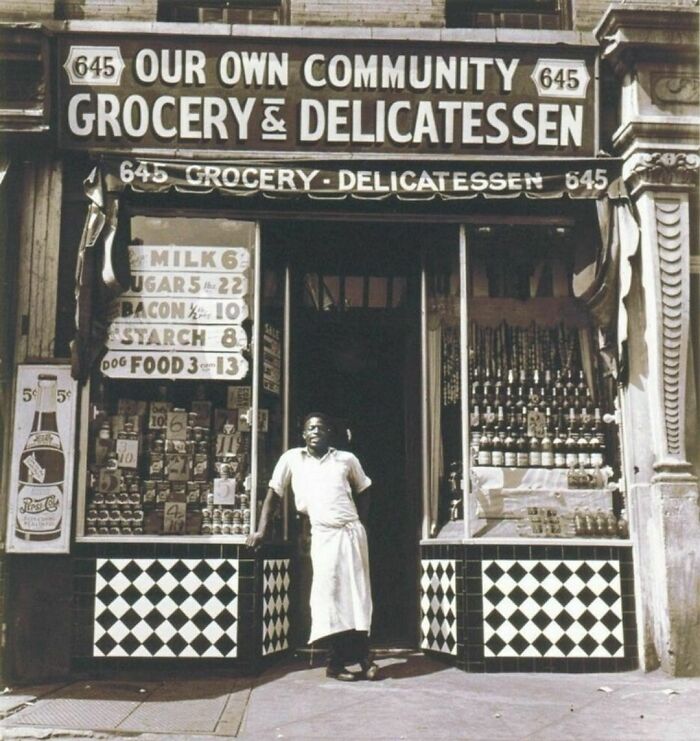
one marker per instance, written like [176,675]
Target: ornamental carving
[673,289]
[683,89]
[674,169]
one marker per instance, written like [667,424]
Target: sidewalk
[415,698]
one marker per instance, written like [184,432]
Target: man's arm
[268,507]
[362,503]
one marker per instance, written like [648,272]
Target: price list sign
[181,316]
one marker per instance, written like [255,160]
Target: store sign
[181,314]
[40,493]
[200,366]
[576,178]
[335,95]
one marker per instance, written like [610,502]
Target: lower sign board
[179,310]
[195,365]
[181,337]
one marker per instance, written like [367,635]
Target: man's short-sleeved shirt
[322,487]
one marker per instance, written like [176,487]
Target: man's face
[316,434]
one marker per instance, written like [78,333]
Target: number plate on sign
[561,78]
[94,65]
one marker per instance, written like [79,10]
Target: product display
[530,402]
[159,469]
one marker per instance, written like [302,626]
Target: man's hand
[254,539]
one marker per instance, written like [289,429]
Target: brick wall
[26,10]
[108,10]
[587,13]
[398,13]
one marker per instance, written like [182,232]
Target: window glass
[535,14]
[222,11]
[543,458]
[169,438]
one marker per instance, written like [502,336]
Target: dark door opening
[356,356]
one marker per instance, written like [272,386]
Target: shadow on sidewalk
[143,686]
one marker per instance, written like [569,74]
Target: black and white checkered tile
[439,605]
[552,608]
[275,616]
[166,607]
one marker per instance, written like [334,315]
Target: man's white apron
[340,591]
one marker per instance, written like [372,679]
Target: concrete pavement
[415,698]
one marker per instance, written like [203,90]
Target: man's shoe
[369,669]
[341,674]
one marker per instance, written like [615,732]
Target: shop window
[535,14]
[520,435]
[175,401]
[223,11]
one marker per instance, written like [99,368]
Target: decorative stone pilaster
[653,50]
[661,183]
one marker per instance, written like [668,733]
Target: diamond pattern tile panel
[552,608]
[166,607]
[275,616]
[439,605]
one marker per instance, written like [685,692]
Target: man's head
[317,430]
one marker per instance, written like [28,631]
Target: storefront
[419,239]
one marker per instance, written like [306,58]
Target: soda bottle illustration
[41,470]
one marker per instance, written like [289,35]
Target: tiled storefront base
[511,608]
[158,604]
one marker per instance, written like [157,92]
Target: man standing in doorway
[330,486]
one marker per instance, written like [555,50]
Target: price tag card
[177,467]
[239,397]
[263,418]
[158,414]
[174,518]
[127,453]
[225,491]
[103,449]
[176,425]
[227,444]
[224,417]
[202,410]
[109,480]
[536,423]
[131,407]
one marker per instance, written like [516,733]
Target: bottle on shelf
[484,454]
[584,454]
[522,454]
[535,452]
[547,451]
[488,389]
[597,421]
[498,449]
[596,451]
[559,446]
[571,449]
[475,420]
[509,450]
[501,420]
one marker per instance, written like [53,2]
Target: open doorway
[356,355]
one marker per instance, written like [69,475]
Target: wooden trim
[464,374]
[39,234]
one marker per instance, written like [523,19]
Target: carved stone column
[654,54]
[661,184]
